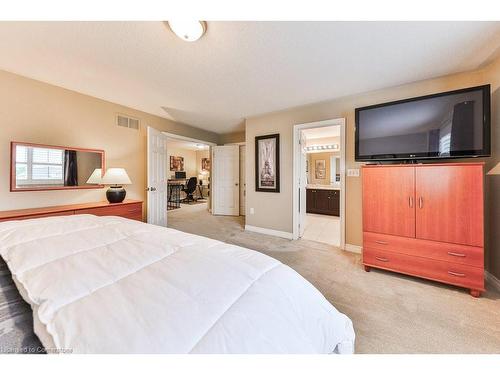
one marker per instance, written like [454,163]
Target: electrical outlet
[353,173]
[252,210]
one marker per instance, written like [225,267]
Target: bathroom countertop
[322,187]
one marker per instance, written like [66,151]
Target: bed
[113,285]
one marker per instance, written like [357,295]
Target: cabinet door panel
[334,202]
[309,201]
[322,200]
[389,200]
[450,204]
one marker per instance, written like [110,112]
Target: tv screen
[446,125]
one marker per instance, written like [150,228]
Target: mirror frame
[14,188]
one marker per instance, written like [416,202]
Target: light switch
[252,210]
[353,173]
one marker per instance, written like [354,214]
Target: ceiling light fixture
[189,31]
[334,146]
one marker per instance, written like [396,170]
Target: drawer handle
[382,259]
[456,254]
[381,242]
[456,274]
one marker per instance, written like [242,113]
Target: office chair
[189,190]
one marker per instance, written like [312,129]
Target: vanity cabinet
[323,201]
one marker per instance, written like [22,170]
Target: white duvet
[112,285]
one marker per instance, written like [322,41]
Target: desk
[203,191]
[174,193]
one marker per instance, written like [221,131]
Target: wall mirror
[43,167]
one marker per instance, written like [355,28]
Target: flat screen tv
[452,124]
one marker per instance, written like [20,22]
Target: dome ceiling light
[189,31]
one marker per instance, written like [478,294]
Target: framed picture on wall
[176,163]
[320,169]
[267,163]
[205,164]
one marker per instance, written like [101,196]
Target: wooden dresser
[130,209]
[426,220]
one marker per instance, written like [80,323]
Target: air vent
[127,122]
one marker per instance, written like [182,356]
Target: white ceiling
[239,69]
[186,145]
[324,132]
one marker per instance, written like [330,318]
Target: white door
[243,185]
[157,177]
[302,185]
[225,180]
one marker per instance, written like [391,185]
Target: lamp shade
[495,169]
[95,177]
[116,176]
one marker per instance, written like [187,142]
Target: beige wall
[312,157]
[190,163]
[32,111]
[87,162]
[227,138]
[274,211]
[200,154]
[492,184]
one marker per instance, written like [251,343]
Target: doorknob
[236,184]
[151,189]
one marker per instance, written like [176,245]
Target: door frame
[296,171]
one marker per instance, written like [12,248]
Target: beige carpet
[391,313]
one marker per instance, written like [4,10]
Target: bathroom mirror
[42,167]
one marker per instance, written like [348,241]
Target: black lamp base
[116,194]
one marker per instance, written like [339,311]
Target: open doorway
[189,174]
[319,182]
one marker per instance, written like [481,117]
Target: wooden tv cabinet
[130,209]
[426,220]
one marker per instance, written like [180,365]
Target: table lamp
[116,178]
[96,177]
[495,170]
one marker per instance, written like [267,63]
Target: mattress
[113,285]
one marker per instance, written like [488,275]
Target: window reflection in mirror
[38,167]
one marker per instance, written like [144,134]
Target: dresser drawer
[451,273]
[468,255]
[38,216]
[130,211]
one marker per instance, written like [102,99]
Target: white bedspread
[112,285]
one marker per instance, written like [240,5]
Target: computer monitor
[180,175]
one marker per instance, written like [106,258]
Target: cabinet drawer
[451,273]
[468,255]
[130,211]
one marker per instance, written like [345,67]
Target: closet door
[449,205]
[389,200]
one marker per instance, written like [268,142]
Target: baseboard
[271,232]
[492,280]
[353,248]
